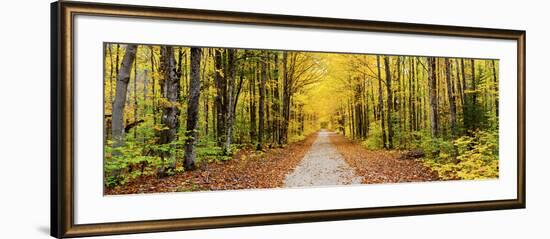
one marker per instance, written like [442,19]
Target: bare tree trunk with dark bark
[276,101]
[412,98]
[460,83]
[466,95]
[193,110]
[390,101]
[170,110]
[452,105]
[432,79]
[262,104]
[286,101]
[474,83]
[218,78]
[153,86]
[252,104]
[229,116]
[381,103]
[135,94]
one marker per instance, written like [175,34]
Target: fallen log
[412,154]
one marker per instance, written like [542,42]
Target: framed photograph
[170,119]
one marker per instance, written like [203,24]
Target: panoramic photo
[186,119]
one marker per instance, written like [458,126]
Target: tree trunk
[153,86]
[206,87]
[252,99]
[135,94]
[374,109]
[460,83]
[229,103]
[390,101]
[452,105]
[219,78]
[473,113]
[117,61]
[108,127]
[123,78]
[412,98]
[286,101]
[432,79]
[381,103]
[367,109]
[400,99]
[193,109]
[262,103]
[171,89]
[111,83]
[474,83]
[276,102]
[465,110]
[351,119]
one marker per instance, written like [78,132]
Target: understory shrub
[477,157]
[374,140]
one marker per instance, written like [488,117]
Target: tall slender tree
[432,85]
[135,94]
[193,110]
[170,109]
[452,105]
[286,100]
[262,102]
[219,78]
[389,101]
[229,110]
[495,83]
[381,103]
[123,78]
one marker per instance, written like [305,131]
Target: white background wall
[24,119]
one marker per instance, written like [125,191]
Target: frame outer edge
[54,121]
[263,19]
[522,103]
[66,119]
[62,218]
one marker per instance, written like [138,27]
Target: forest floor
[381,166]
[249,169]
[321,159]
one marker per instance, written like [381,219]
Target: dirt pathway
[322,165]
[322,159]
